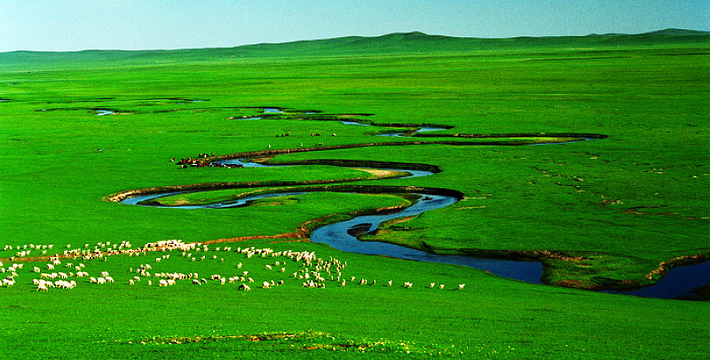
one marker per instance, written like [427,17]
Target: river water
[338,235]
[679,283]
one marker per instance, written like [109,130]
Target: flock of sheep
[67,270]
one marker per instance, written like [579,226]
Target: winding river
[679,283]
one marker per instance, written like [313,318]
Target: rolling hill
[396,43]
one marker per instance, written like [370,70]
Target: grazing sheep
[461,286]
[266,285]
[65,284]
[48,276]
[196,282]
[442,286]
[244,287]
[408,285]
[389,283]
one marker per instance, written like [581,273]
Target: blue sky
[69,25]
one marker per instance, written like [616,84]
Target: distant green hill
[397,43]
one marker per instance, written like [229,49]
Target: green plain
[626,203]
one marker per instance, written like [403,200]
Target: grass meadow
[614,208]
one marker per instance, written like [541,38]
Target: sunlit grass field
[625,203]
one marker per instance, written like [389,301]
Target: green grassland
[616,207]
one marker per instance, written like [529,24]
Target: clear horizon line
[347,36]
